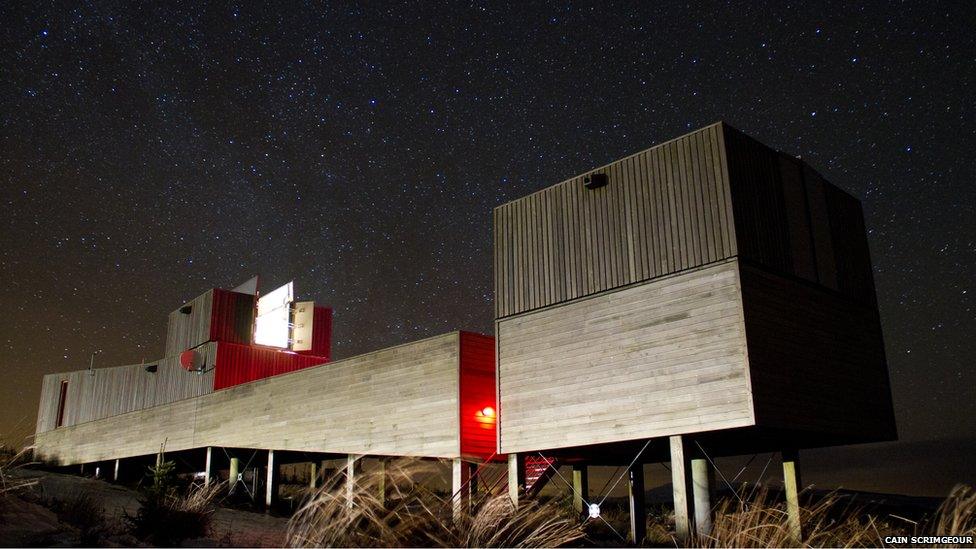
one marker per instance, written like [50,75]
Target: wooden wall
[185,331]
[655,359]
[816,359]
[398,401]
[791,221]
[106,392]
[665,209]
[704,197]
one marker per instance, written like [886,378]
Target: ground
[26,518]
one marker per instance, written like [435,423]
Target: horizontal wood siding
[664,210]
[816,359]
[106,392]
[397,401]
[656,359]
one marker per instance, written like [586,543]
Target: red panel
[237,364]
[478,406]
[232,316]
[321,333]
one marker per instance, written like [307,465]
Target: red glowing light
[488,411]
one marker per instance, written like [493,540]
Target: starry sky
[148,153]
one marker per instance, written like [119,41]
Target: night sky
[148,154]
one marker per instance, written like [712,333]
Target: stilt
[207,470]
[352,464]
[234,474]
[680,481]
[791,484]
[460,488]
[271,484]
[703,482]
[638,511]
[381,481]
[516,477]
[581,488]
[313,474]
[81,469]
[115,475]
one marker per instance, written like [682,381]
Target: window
[61,399]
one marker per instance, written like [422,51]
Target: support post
[115,475]
[516,477]
[703,482]
[271,483]
[638,511]
[791,484]
[235,472]
[581,488]
[381,481]
[352,462]
[460,488]
[208,467]
[680,489]
[313,474]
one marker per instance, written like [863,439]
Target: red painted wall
[477,388]
[232,316]
[237,364]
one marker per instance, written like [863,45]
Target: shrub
[166,516]
[85,513]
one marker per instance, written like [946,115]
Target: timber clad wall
[665,209]
[108,392]
[704,197]
[817,360]
[604,336]
[655,359]
[791,221]
[397,401]
[186,331]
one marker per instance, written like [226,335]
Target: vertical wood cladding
[216,315]
[477,379]
[816,359]
[666,209]
[106,392]
[655,359]
[704,197]
[189,325]
[397,401]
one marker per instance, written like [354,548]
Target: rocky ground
[36,516]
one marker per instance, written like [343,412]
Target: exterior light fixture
[594,510]
[488,411]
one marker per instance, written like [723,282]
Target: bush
[85,513]
[166,517]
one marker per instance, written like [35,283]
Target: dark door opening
[61,399]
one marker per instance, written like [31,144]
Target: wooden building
[433,398]
[709,295]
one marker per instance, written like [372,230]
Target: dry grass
[167,518]
[10,459]
[760,521]
[413,515]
